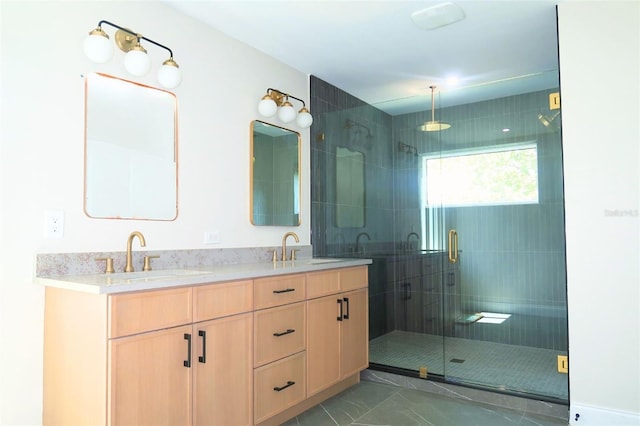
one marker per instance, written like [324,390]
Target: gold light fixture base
[125,40]
[278,97]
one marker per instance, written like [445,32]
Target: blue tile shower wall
[512,256]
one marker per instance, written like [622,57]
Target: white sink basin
[160,274]
[320,261]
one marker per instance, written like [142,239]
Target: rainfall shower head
[433,125]
[546,121]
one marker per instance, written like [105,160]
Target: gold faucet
[129,265]
[362,234]
[284,243]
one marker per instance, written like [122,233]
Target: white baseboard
[584,415]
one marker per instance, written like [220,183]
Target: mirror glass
[350,190]
[275,175]
[130,150]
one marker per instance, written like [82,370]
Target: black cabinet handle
[187,362]
[286,290]
[407,290]
[289,331]
[346,302]
[281,388]
[203,357]
[340,315]
[451,279]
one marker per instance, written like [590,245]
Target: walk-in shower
[466,231]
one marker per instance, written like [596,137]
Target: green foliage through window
[491,176]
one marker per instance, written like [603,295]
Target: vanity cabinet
[139,358]
[337,343]
[245,352]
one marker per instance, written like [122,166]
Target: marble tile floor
[369,403]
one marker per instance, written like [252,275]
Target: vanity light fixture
[276,101]
[99,49]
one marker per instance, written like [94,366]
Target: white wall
[600,76]
[41,161]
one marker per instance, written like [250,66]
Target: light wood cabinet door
[223,371]
[149,383]
[354,335]
[323,343]
[337,343]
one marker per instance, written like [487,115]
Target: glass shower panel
[473,321]
[503,215]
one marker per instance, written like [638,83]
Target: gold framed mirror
[131,150]
[275,175]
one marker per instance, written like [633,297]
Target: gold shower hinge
[423,372]
[554,100]
[563,364]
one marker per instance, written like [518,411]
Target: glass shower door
[504,320]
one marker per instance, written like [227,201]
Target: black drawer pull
[289,331]
[286,290]
[289,383]
[203,357]
[187,362]
[340,315]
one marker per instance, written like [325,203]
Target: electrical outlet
[53,224]
[212,237]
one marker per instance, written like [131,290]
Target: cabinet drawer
[278,332]
[354,278]
[220,300]
[278,386]
[269,292]
[322,283]
[133,313]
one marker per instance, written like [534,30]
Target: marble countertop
[157,279]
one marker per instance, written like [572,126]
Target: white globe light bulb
[286,113]
[169,74]
[267,107]
[304,118]
[97,46]
[136,61]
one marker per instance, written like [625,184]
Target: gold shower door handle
[453,246]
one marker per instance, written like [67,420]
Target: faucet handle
[109,265]
[293,254]
[147,262]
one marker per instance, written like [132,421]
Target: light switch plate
[212,237]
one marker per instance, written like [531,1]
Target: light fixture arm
[137,36]
[278,95]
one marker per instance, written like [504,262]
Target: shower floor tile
[496,365]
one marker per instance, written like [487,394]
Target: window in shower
[494,175]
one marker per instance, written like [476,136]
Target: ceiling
[374,51]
